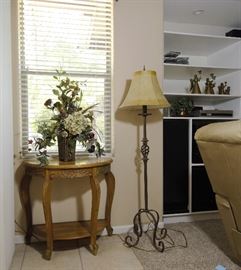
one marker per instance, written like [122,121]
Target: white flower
[76,123]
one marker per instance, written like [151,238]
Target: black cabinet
[175,147]
[185,176]
[203,198]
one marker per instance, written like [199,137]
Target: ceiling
[216,12]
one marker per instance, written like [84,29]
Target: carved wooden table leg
[95,189]
[26,204]
[110,182]
[48,215]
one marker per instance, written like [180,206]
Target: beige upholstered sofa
[220,148]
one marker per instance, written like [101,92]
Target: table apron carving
[70,174]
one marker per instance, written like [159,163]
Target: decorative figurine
[194,88]
[227,91]
[223,89]
[210,84]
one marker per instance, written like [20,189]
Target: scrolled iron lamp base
[158,234]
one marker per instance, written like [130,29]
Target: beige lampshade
[144,90]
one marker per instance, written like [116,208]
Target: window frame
[24,72]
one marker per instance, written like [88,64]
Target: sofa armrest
[223,132]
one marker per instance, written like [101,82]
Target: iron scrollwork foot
[132,239]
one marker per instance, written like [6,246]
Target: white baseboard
[175,218]
[19,238]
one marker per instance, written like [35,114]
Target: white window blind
[72,35]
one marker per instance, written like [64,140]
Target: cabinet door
[175,146]
[203,198]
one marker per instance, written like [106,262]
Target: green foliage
[68,119]
[181,106]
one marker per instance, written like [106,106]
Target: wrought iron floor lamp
[144,93]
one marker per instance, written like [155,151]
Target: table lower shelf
[69,230]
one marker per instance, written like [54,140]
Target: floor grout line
[21,265]
[81,261]
[81,266]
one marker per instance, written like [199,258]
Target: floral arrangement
[69,120]
[181,106]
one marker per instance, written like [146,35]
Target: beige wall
[137,42]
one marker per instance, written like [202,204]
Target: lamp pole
[145,151]
[152,215]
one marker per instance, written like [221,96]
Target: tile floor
[112,255]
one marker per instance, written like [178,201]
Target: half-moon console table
[56,170]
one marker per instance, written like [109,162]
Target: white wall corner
[6,140]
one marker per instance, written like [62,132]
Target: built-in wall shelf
[199,118]
[209,54]
[187,190]
[202,97]
[197,164]
[204,44]
[185,72]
